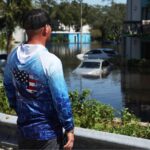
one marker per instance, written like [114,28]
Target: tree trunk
[103,34]
[9,40]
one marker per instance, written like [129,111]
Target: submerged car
[99,53]
[93,67]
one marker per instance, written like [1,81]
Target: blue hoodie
[36,89]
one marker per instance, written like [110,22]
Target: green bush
[4,106]
[90,113]
[138,63]
[59,39]
[2,41]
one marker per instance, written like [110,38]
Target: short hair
[35,19]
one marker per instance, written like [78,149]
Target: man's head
[37,23]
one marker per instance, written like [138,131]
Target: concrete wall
[133,10]
[84,138]
[133,44]
[133,48]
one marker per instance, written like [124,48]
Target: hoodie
[36,89]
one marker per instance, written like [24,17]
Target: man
[36,89]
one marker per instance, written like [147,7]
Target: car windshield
[90,65]
[94,52]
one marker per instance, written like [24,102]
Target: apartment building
[137,30]
[136,85]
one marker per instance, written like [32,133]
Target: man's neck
[37,41]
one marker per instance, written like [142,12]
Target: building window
[146,13]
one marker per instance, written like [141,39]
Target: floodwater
[120,89]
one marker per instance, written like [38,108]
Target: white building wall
[19,35]
[86,28]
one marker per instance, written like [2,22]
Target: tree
[115,17]
[107,19]
[51,6]
[12,13]
[69,14]
[111,1]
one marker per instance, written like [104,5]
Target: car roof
[101,49]
[93,60]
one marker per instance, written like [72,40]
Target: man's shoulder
[11,54]
[49,61]
[48,57]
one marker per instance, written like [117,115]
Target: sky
[99,2]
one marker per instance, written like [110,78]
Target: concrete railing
[84,138]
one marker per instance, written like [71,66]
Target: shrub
[2,41]
[4,106]
[87,112]
[138,63]
[59,39]
[90,113]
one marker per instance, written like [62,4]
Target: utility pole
[81,23]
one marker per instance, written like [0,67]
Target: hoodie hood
[26,51]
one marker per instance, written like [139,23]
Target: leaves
[106,21]
[90,113]
[4,106]
[11,16]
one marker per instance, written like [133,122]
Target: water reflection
[68,49]
[136,89]
[119,89]
[107,90]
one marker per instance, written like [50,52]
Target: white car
[93,67]
[99,53]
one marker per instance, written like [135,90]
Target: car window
[90,65]
[109,52]
[94,52]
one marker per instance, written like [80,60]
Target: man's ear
[46,30]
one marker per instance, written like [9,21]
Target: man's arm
[9,87]
[70,141]
[61,102]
